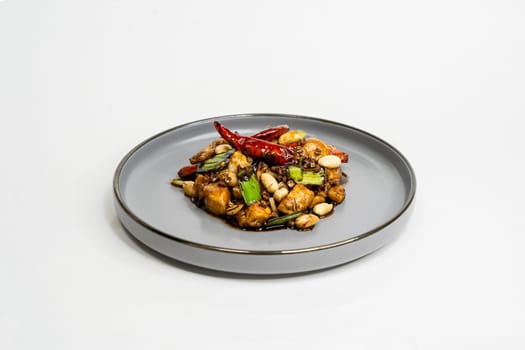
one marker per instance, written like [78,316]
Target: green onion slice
[281,220]
[251,190]
[306,177]
[216,162]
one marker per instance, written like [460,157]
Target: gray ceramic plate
[379,194]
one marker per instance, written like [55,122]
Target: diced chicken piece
[254,216]
[297,200]
[216,199]
[334,175]
[201,181]
[237,160]
[207,152]
[337,193]
[306,221]
[314,148]
[317,199]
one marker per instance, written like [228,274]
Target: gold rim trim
[134,217]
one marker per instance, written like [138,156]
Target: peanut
[330,161]
[306,221]
[269,182]
[323,209]
[280,194]
[222,148]
[291,136]
[189,188]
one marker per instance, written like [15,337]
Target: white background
[82,82]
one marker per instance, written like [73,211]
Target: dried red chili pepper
[271,133]
[187,171]
[342,155]
[270,152]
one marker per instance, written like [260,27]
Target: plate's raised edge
[127,210]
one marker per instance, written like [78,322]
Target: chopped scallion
[177,182]
[295,173]
[251,190]
[306,177]
[281,220]
[216,162]
[312,178]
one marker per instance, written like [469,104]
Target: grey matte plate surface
[380,189]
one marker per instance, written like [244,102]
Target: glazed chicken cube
[254,216]
[216,199]
[199,185]
[337,193]
[207,152]
[297,200]
[333,176]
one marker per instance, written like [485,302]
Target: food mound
[275,178]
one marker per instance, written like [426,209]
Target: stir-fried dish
[275,178]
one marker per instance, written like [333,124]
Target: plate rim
[120,201]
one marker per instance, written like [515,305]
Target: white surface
[81,83]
